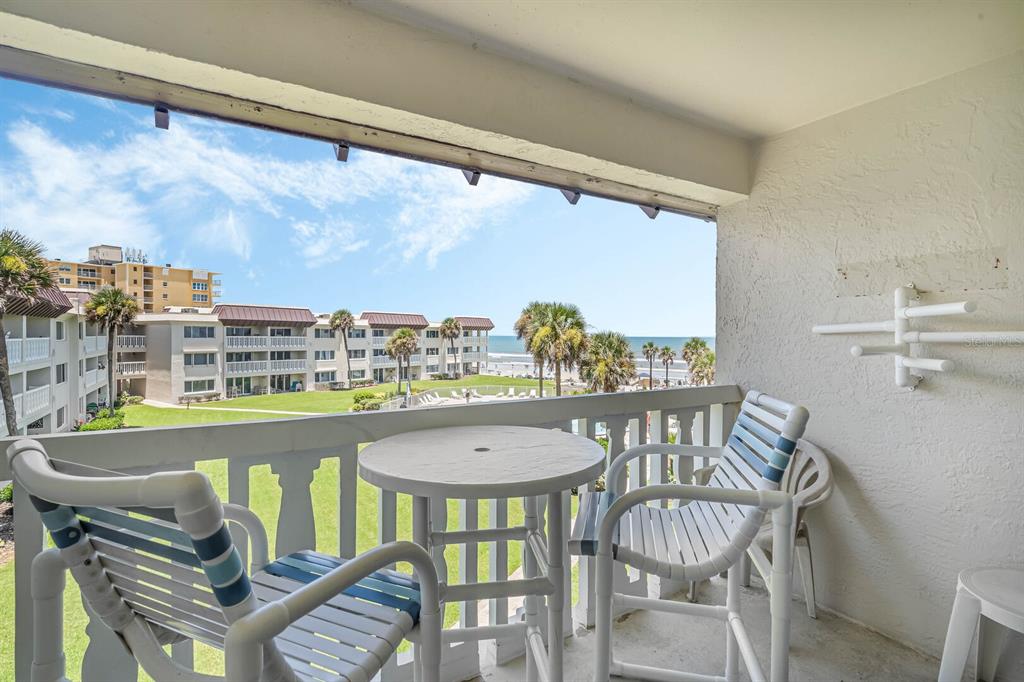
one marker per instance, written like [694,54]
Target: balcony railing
[383,361]
[265,342]
[27,350]
[133,368]
[93,376]
[296,448]
[287,365]
[95,344]
[246,367]
[131,342]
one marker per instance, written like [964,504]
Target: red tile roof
[231,313]
[475,323]
[46,303]
[377,319]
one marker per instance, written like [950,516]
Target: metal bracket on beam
[161,117]
[472,176]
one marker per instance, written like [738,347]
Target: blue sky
[287,224]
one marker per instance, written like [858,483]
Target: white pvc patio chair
[809,480]
[533,393]
[511,392]
[156,563]
[456,395]
[708,534]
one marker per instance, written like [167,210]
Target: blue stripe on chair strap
[235,593]
[410,606]
[756,427]
[779,460]
[142,544]
[785,445]
[743,451]
[226,571]
[143,526]
[330,562]
[214,545]
[369,582]
[773,474]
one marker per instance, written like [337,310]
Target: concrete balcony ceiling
[510,88]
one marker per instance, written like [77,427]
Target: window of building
[199,386]
[238,331]
[62,373]
[380,332]
[135,281]
[200,286]
[432,369]
[379,375]
[324,355]
[280,331]
[433,334]
[378,352]
[323,377]
[164,296]
[433,351]
[60,331]
[200,298]
[64,280]
[239,357]
[467,349]
[199,359]
[466,333]
[357,374]
[357,333]
[280,355]
[192,332]
[321,333]
[61,416]
[357,354]
[63,268]
[164,283]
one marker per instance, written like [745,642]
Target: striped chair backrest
[761,444]
[178,584]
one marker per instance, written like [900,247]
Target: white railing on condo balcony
[131,368]
[297,448]
[35,400]
[92,376]
[379,341]
[95,344]
[383,360]
[246,367]
[246,341]
[287,365]
[131,342]
[28,350]
[287,341]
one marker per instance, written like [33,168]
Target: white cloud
[324,243]
[225,232]
[68,195]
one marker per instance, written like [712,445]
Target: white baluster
[348,472]
[238,493]
[497,609]
[296,529]
[585,610]
[28,538]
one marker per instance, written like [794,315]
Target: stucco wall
[927,187]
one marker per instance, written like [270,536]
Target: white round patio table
[494,462]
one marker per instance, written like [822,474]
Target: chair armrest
[245,518]
[763,499]
[612,475]
[243,644]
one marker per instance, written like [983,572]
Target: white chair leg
[691,593]
[745,570]
[430,646]
[962,624]
[991,636]
[732,603]
[803,560]
[603,620]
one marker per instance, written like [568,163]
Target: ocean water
[509,345]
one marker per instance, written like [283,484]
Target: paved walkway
[157,403]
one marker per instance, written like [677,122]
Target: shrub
[127,398]
[106,420]
[371,405]
[7,493]
[363,396]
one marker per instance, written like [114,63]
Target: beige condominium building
[57,362]
[191,353]
[155,287]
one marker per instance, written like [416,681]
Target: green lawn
[341,401]
[265,499]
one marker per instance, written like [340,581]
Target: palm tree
[667,356]
[559,337]
[702,369]
[608,362]
[525,327]
[650,351]
[400,346]
[341,322]
[112,309]
[450,330]
[23,275]
[693,348]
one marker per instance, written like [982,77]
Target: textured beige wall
[909,188]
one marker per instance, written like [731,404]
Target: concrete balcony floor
[826,648]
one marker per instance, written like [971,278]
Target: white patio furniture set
[157,563]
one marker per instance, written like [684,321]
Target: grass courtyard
[265,499]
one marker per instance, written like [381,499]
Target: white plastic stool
[989,600]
